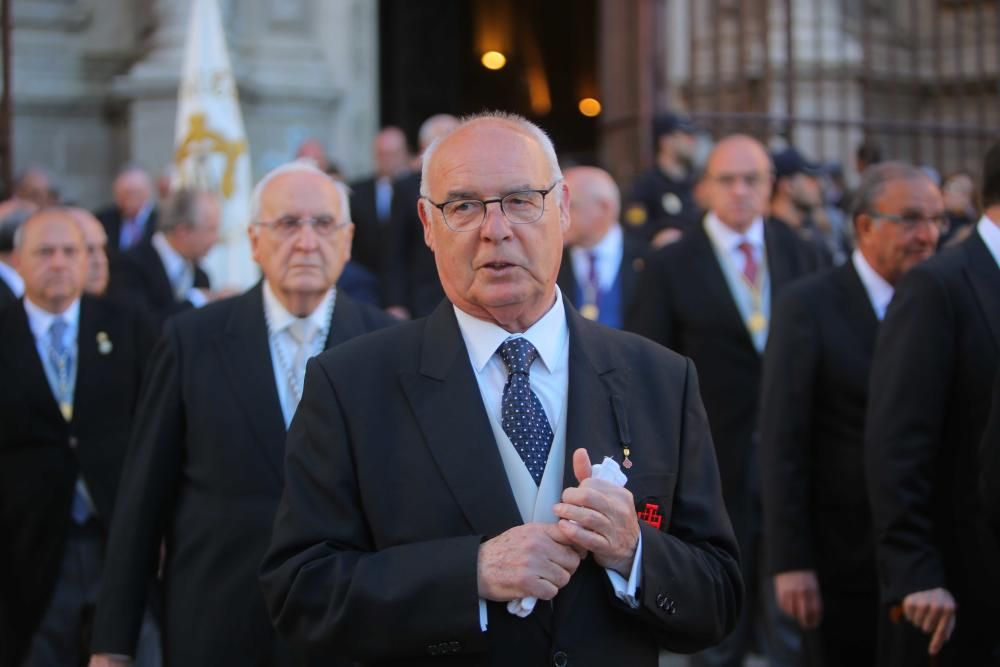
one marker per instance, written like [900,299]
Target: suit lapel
[157,272]
[780,268]
[448,407]
[246,357]
[858,310]
[983,273]
[706,272]
[92,366]
[567,279]
[346,322]
[596,382]
[22,358]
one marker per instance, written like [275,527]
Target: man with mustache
[412,529]
[205,469]
[817,518]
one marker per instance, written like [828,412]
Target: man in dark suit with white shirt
[413,526]
[71,366]
[817,518]
[163,274]
[935,360]
[709,296]
[132,219]
[601,264]
[204,471]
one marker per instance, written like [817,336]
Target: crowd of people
[484,408]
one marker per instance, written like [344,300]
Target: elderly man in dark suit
[163,275]
[131,220]
[601,264]
[204,472]
[935,361]
[709,296]
[71,367]
[814,394]
[414,526]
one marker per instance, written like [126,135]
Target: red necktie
[750,265]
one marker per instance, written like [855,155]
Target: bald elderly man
[71,366]
[601,264]
[708,296]
[132,218]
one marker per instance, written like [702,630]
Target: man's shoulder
[212,318]
[394,346]
[631,350]
[372,318]
[812,288]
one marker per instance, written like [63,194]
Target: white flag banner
[211,150]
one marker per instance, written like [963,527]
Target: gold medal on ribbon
[66,408]
[590,311]
[757,322]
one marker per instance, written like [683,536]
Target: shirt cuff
[482,615]
[626,590]
[196,297]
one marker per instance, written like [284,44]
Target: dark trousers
[848,634]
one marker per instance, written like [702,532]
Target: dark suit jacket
[6,294]
[683,302]
[386,503]
[411,277]
[111,218]
[138,276]
[935,361]
[813,399]
[990,453]
[41,455]
[370,233]
[633,261]
[204,474]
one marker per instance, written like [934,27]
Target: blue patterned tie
[523,418]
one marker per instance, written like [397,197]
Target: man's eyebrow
[470,194]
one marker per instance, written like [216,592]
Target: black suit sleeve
[696,565]
[325,583]
[990,452]
[788,377]
[910,379]
[145,495]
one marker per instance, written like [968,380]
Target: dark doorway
[431,63]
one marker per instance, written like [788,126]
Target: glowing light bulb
[590,107]
[494,60]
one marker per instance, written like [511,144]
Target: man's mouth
[497,266]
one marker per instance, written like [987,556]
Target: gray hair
[9,226]
[876,177]
[302,166]
[180,208]
[513,120]
[64,211]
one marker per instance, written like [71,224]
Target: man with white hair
[132,218]
[601,264]
[457,519]
[205,464]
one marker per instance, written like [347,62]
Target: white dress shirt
[608,252]
[879,291]
[727,240]
[989,232]
[283,346]
[180,272]
[13,279]
[549,379]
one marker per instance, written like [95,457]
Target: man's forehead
[491,157]
[300,189]
[53,229]
[910,193]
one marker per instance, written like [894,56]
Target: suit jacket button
[560,659]
[455,646]
[671,607]
[661,601]
[433,649]
[73,442]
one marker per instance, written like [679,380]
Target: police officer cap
[670,122]
[788,162]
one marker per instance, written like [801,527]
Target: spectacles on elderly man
[520,208]
[288,226]
[910,221]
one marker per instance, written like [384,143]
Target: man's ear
[426,219]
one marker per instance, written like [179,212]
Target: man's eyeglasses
[520,208]
[288,226]
[911,221]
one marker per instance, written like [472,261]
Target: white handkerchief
[609,471]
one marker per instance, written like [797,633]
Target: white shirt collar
[549,335]
[989,232]
[172,260]
[10,276]
[729,240]
[280,319]
[40,319]
[609,246]
[879,291]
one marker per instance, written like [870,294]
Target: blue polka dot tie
[523,418]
